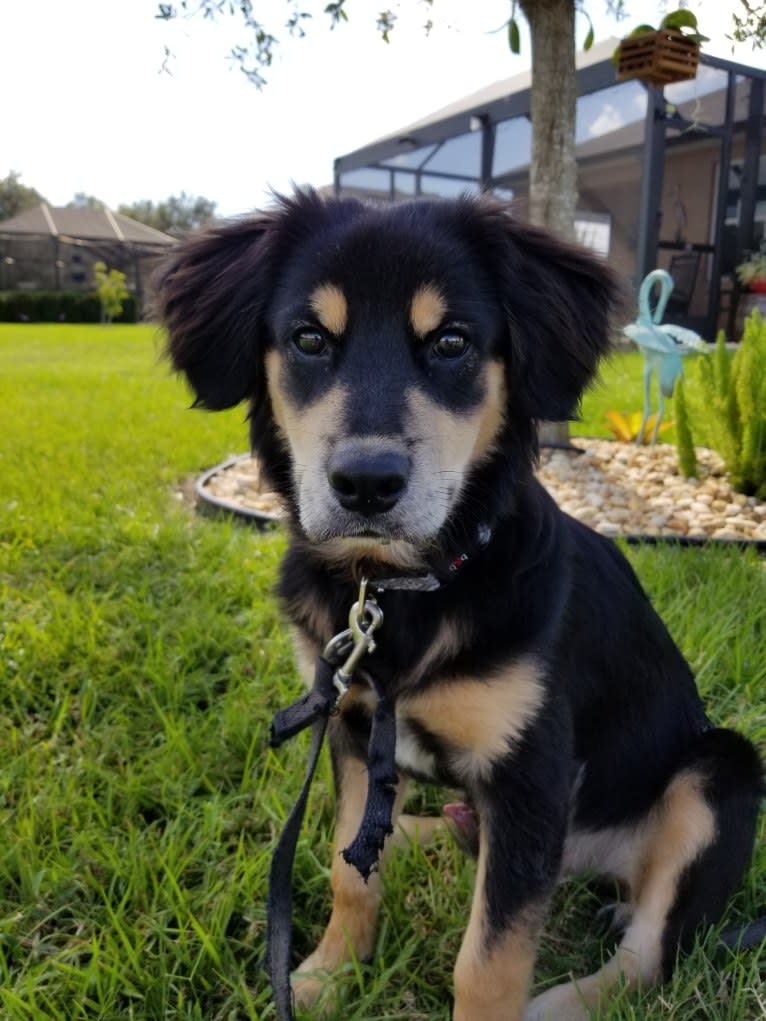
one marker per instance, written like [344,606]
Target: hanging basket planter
[658,58]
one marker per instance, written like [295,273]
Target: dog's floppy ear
[209,294]
[560,302]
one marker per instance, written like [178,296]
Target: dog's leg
[679,829]
[458,819]
[691,851]
[420,830]
[493,971]
[350,933]
[522,822]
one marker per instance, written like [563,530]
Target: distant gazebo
[53,248]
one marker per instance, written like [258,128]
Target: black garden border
[211,505]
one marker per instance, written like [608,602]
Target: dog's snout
[368,482]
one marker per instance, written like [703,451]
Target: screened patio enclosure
[672,177]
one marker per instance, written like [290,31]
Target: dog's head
[390,354]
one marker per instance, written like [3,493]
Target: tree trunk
[553,170]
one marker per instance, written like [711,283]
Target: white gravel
[616,488]
[623,489]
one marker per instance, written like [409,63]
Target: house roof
[82,224]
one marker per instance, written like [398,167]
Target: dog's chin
[344,527]
[393,539]
[368,547]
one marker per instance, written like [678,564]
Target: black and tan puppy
[396,361]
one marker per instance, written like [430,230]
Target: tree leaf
[589,37]
[514,36]
[682,18]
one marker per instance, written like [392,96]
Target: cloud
[609,119]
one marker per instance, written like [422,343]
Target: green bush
[58,307]
[735,394]
[111,291]
[687,458]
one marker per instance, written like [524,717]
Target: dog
[397,361]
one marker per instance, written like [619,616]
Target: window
[609,112]
[594,230]
[461,155]
[513,146]
[368,179]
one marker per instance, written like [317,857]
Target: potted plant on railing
[752,272]
[661,55]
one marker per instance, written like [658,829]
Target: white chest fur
[411,756]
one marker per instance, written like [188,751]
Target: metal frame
[658,121]
[105,248]
[589,79]
[593,78]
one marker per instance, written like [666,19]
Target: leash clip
[364,618]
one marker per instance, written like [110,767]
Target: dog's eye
[450,344]
[310,342]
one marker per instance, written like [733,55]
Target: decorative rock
[619,514]
[678,525]
[608,528]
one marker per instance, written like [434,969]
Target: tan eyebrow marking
[328,302]
[427,310]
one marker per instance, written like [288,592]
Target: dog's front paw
[562,1003]
[312,987]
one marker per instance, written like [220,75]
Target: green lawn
[141,658]
[620,388]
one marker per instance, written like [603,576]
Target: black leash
[315,709]
[364,850]
[331,682]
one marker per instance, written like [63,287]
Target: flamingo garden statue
[663,345]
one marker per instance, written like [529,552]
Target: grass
[141,658]
[620,388]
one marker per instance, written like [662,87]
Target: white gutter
[114,225]
[49,219]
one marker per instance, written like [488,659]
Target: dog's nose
[368,482]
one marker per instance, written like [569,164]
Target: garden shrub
[58,306]
[735,394]
[687,458]
[111,291]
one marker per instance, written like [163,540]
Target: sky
[87,106]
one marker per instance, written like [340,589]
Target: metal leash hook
[364,618]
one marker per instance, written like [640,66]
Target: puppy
[396,361]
